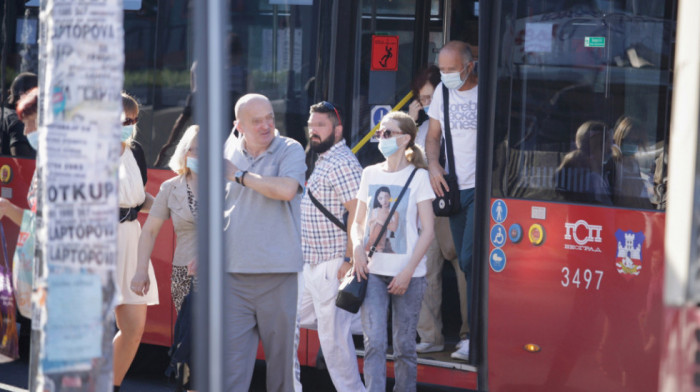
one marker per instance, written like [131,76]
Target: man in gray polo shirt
[263,247]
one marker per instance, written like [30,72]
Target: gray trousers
[404,318]
[259,307]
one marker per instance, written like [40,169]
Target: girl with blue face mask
[130,312]
[396,270]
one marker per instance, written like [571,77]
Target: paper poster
[82,55]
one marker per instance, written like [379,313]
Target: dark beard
[322,146]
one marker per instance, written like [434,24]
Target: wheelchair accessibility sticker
[498,236]
[497,260]
[499,211]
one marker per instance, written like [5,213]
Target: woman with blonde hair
[177,199]
[398,276]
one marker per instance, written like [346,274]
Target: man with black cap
[12,139]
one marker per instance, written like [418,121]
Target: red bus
[570,257]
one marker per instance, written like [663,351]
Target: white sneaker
[463,351]
[461,342]
[423,348]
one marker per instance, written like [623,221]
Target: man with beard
[327,249]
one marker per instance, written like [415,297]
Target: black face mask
[323,145]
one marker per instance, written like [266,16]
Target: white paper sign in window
[538,37]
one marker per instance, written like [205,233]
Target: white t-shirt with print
[463,111]
[379,189]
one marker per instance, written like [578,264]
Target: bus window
[583,99]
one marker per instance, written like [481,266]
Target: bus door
[574,232]
[392,41]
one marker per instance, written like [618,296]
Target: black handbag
[351,292]
[448,204]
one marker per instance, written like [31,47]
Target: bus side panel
[15,178]
[680,370]
[160,321]
[596,317]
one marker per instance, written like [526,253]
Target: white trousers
[317,310]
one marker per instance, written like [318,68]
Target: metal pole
[211,108]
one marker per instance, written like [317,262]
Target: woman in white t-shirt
[396,271]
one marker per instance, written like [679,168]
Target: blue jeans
[462,226]
[404,316]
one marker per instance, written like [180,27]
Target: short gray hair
[178,162]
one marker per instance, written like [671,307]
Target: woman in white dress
[131,309]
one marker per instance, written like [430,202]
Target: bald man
[456,64]
[262,227]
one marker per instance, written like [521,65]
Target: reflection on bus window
[583,99]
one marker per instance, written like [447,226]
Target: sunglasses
[130,121]
[330,106]
[387,133]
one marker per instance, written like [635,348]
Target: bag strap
[325,212]
[448,134]
[393,208]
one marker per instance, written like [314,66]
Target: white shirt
[463,110]
[399,241]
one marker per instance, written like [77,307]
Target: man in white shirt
[456,64]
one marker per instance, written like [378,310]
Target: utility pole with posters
[82,62]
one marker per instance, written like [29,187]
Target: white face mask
[452,80]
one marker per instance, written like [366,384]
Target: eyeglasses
[330,106]
[130,121]
[387,133]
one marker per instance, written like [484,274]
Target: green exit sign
[594,42]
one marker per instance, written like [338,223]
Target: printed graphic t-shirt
[463,129]
[379,190]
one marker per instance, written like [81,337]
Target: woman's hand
[360,263]
[399,284]
[140,284]
[414,109]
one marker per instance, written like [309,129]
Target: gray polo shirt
[264,235]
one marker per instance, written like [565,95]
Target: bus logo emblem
[629,252]
[589,233]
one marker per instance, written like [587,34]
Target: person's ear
[338,132]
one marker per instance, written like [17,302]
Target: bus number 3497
[580,278]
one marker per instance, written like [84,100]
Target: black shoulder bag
[342,226]
[448,204]
[351,293]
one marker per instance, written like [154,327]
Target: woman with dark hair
[131,308]
[397,277]
[380,211]
[423,87]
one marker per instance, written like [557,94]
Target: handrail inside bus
[371,133]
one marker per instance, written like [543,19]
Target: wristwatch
[239,176]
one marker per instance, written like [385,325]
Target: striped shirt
[334,181]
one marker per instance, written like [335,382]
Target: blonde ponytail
[415,155]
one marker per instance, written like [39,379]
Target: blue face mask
[452,80]
[425,108]
[192,164]
[33,139]
[127,132]
[388,147]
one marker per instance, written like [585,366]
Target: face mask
[452,80]
[33,139]
[192,164]
[388,147]
[425,108]
[127,131]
